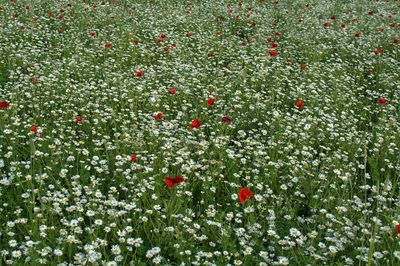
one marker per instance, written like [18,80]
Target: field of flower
[207,132]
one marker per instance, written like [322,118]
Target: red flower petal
[178,179]
[195,123]
[382,101]
[159,116]
[139,73]
[300,103]
[273,53]
[33,128]
[244,195]
[227,120]
[4,105]
[168,181]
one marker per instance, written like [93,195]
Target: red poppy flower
[273,53]
[195,123]
[274,45]
[33,128]
[4,105]
[230,11]
[190,34]
[35,81]
[244,43]
[269,39]
[382,101]
[78,118]
[253,24]
[343,26]
[357,34]
[392,25]
[163,36]
[244,195]
[172,91]
[326,24]
[173,45]
[210,101]
[133,158]
[376,52]
[107,45]
[166,49]
[226,120]
[171,182]
[333,17]
[371,12]
[300,103]
[277,34]
[92,34]
[159,116]
[158,41]
[303,67]
[139,73]
[398,229]
[135,41]
[395,40]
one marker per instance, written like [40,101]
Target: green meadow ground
[199,133]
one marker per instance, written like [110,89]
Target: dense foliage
[199,133]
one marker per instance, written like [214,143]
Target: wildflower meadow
[203,132]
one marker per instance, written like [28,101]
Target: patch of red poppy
[33,128]
[382,101]
[226,120]
[244,195]
[159,116]
[139,73]
[171,182]
[300,103]
[195,123]
[273,53]
[4,105]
